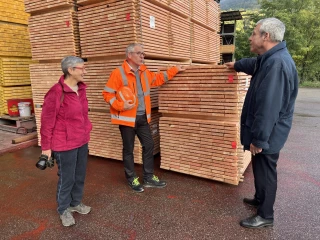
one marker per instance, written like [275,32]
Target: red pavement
[188,208]
[6,142]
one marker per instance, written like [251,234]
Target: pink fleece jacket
[65,125]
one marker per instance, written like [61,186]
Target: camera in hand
[44,162]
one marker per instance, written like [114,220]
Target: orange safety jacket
[123,76]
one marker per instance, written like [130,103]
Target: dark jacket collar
[271,51]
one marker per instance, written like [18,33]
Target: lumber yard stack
[168,29]
[200,125]
[54,34]
[173,32]
[15,56]
[106,29]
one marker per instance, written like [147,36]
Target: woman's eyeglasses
[81,68]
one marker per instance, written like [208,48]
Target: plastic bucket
[24,109]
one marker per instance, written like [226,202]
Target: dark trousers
[72,167]
[142,129]
[265,181]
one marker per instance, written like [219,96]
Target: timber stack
[169,36]
[199,129]
[173,32]
[15,57]
[54,34]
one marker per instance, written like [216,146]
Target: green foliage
[243,32]
[302,21]
[308,84]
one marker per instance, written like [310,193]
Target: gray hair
[131,46]
[70,61]
[274,27]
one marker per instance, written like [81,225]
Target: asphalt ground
[188,208]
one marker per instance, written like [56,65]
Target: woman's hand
[47,152]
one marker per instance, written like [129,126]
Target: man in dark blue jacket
[267,112]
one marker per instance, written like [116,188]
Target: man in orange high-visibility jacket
[134,118]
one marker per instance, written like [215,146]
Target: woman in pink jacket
[65,132]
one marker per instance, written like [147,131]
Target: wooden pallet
[21,125]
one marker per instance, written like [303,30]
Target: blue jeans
[72,167]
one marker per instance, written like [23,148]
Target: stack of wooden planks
[198,110]
[205,44]
[106,29]
[14,71]
[36,6]
[170,36]
[198,11]
[13,11]
[15,53]
[206,13]
[14,40]
[54,35]
[43,77]
[204,148]
[81,3]
[213,15]
[181,7]
[199,129]
[208,90]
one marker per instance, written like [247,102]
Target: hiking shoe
[81,208]
[136,186]
[67,218]
[154,182]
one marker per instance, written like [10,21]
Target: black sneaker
[154,182]
[136,186]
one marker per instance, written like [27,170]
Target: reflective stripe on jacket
[123,76]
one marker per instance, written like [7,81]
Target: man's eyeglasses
[81,68]
[141,54]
